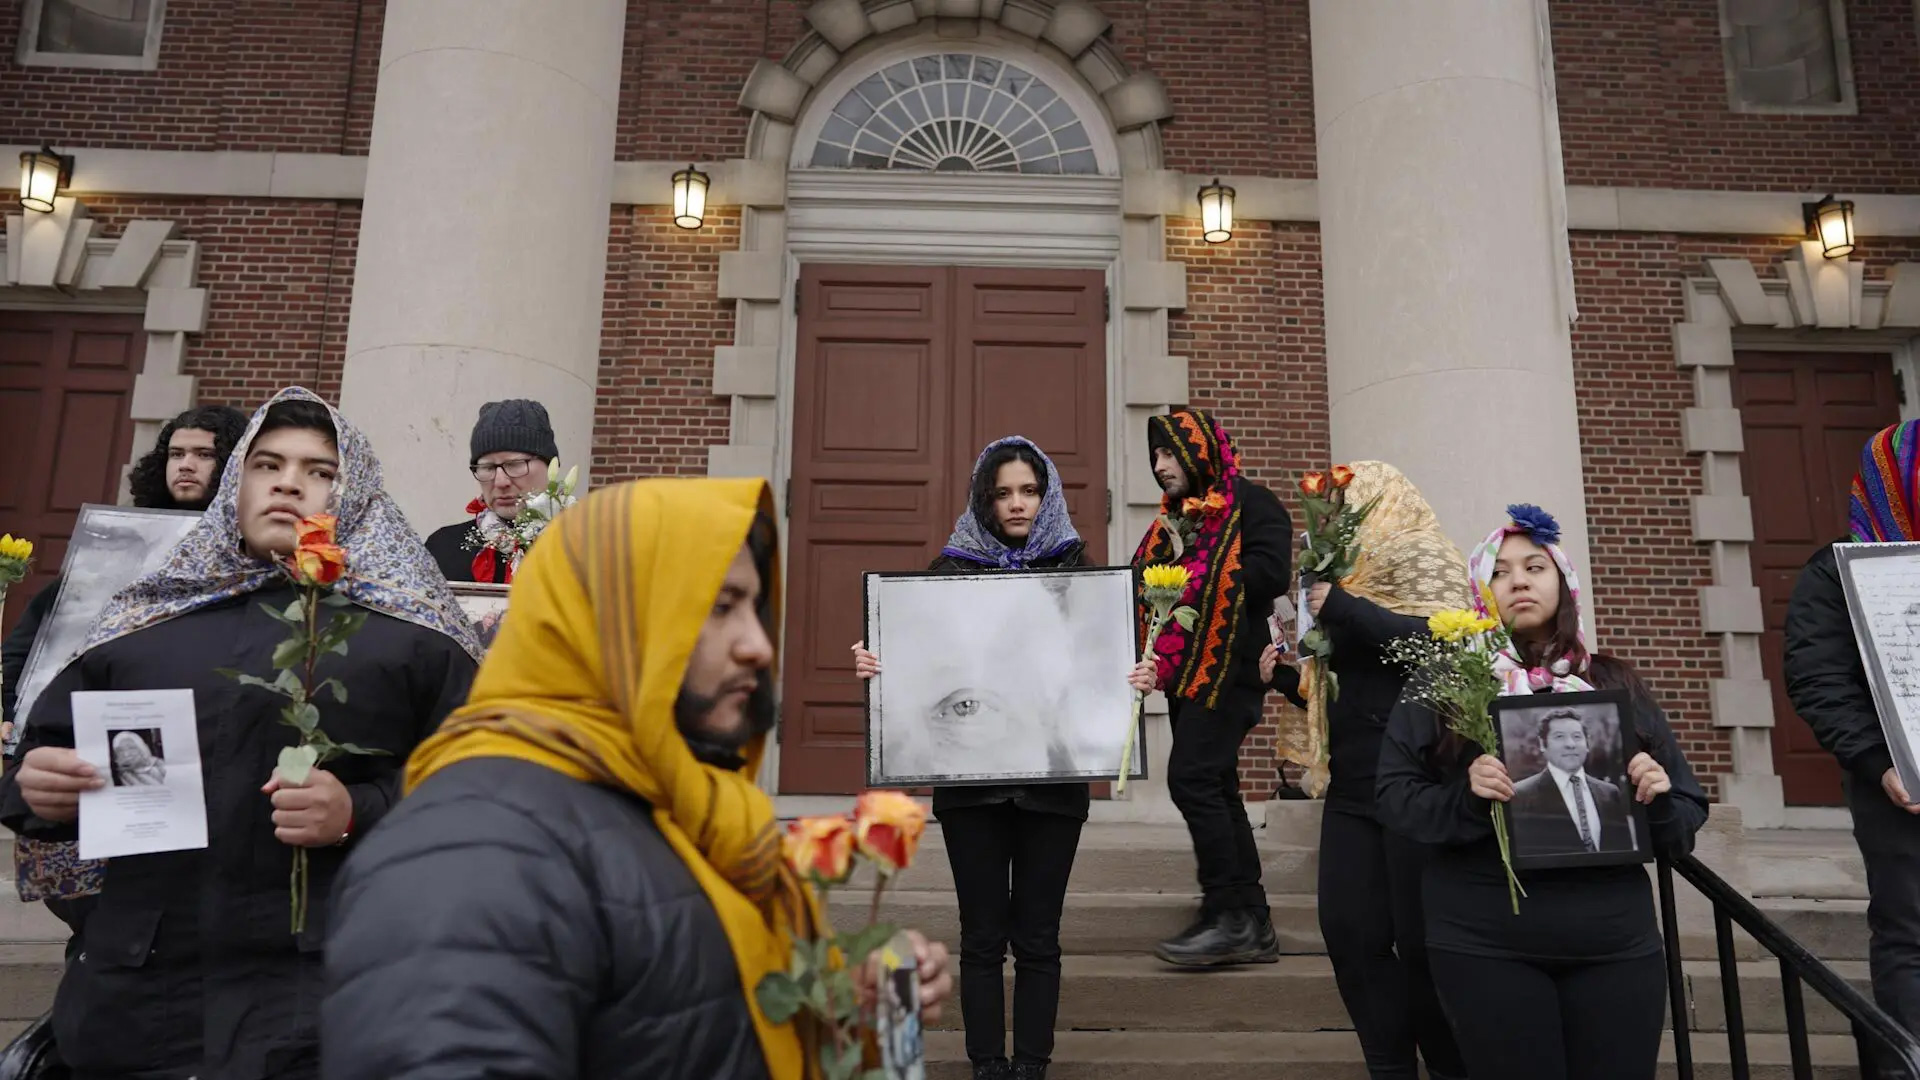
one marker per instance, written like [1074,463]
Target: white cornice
[268,175]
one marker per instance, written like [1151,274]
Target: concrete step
[29,974]
[1817,864]
[1085,1055]
[1123,858]
[1093,923]
[1762,1006]
[1139,993]
[1830,929]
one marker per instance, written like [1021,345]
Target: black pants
[1010,870]
[1889,840]
[1518,1020]
[1375,931]
[1203,776]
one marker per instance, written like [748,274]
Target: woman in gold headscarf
[1369,884]
[584,880]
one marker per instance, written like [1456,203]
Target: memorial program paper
[147,744]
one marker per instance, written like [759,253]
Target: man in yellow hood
[585,881]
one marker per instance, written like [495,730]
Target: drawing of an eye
[967,716]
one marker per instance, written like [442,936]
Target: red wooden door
[65,385]
[1804,417]
[902,375]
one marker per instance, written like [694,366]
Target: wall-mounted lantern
[689,197]
[43,174]
[1830,221]
[1216,212]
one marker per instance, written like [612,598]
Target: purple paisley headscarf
[975,541]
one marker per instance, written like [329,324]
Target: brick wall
[1643,102]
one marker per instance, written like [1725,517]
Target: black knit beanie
[516,424]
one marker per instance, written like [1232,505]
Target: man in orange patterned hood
[1234,537]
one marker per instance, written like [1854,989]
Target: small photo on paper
[485,606]
[138,757]
[1572,803]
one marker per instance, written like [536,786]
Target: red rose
[1314,484]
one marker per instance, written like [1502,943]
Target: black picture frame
[1540,825]
[878,775]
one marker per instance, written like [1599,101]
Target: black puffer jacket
[1825,679]
[1369,689]
[507,921]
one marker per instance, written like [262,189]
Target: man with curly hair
[181,472]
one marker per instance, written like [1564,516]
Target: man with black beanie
[1235,540]
[512,444]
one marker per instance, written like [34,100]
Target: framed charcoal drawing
[110,548]
[1882,585]
[998,677]
[485,604]
[1572,803]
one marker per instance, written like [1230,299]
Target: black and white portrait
[999,676]
[486,605]
[138,756]
[1572,803]
[111,546]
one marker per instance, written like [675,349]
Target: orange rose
[887,827]
[820,848]
[1314,484]
[319,564]
[317,529]
[1342,476]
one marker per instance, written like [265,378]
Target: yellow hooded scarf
[583,677]
[1406,565]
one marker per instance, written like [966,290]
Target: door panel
[1804,418]
[902,375]
[65,385]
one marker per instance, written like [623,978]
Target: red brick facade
[1643,103]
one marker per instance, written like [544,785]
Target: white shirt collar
[1561,776]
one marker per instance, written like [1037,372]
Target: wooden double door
[903,374]
[1804,419]
[66,387]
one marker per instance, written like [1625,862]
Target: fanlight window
[955,113]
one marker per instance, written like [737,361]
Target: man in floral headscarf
[186,966]
[1235,539]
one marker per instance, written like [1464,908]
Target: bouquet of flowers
[1164,587]
[512,538]
[1329,555]
[1451,671]
[316,565]
[884,830]
[16,555]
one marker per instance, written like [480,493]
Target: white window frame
[30,54]
[1849,103]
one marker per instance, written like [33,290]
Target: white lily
[573,479]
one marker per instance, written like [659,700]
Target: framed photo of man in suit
[1572,803]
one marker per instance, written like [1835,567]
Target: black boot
[1238,936]
[1027,1070]
[997,1069]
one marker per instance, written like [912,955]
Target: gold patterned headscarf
[1406,565]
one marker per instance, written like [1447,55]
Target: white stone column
[483,246]
[1443,239]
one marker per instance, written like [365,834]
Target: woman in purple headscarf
[1011,848]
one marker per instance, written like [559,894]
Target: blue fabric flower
[1535,522]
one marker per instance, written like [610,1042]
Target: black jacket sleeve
[511,921]
[19,646]
[1362,626]
[442,675]
[1286,681]
[1266,548]
[51,724]
[1825,679]
[1418,801]
[1676,816]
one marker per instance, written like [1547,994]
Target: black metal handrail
[1879,1039]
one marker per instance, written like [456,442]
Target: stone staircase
[1125,1015]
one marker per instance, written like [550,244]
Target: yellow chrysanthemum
[18,548]
[1456,624]
[1169,578]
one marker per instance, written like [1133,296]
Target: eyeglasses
[516,469]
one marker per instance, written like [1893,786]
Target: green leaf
[846,1063]
[296,763]
[1186,617]
[339,690]
[289,653]
[306,716]
[336,599]
[861,943]
[279,616]
[779,996]
[363,751]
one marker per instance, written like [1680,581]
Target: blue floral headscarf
[975,540]
[388,569]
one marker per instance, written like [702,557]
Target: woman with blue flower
[1570,986]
